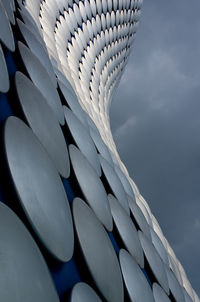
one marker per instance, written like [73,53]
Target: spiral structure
[73,224]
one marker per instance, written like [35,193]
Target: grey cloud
[155,122]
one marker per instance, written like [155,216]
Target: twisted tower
[85,223]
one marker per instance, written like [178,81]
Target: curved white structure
[89,43]
[77,50]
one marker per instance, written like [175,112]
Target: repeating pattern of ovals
[73,224]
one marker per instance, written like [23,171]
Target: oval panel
[38,49]
[91,186]
[24,275]
[9,10]
[135,281]
[43,122]
[154,261]
[159,246]
[174,286]
[82,139]
[100,145]
[98,252]
[82,292]
[139,217]
[114,183]
[127,230]
[159,294]
[41,79]
[73,102]
[39,189]
[6,35]
[124,181]
[4,78]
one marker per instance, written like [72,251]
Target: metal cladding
[63,236]
[19,255]
[82,292]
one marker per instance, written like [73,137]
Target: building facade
[73,224]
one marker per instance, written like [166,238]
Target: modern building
[73,224]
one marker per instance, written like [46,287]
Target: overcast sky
[155,118]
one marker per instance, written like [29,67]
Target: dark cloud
[156,126]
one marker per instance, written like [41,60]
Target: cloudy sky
[155,118]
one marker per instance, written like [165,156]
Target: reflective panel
[173,264]
[196,298]
[135,281]
[174,286]
[91,186]
[127,230]
[159,294]
[73,103]
[24,275]
[82,139]
[9,10]
[6,35]
[38,50]
[30,23]
[186,296]
[100,145]
[114,183]
[139,217]
[4,78]
[42,80]
[39,188]
[159,247]
[82,292]
[43,122]
[98,252]
[155,262]
[125,182]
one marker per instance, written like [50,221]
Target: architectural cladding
[73,224]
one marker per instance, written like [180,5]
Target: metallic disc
[4,78]
[114,183]
[24,275]
[137,286]
[159,294]
[155,262]
[91,186]
[43,122]
[82,139]
[125,182]
[73,103]
[186,296]
[30,23]
[196,298]
[91,124]
[38,50]
[9,10]
[100,145]
[159,247]
[173,263]
[127,230]
[174,286]
[41,79]
[139,217]
[39,188]
[98,252]
[6,35]
[82,292]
